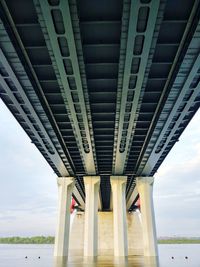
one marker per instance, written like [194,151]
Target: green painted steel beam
[41,143]
[81,120]
[82,130]
[52,154]
[123,137]
[142,165]
[160,128]
[154,157]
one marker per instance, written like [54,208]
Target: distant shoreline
[27,240]
[50,240]
[177,240]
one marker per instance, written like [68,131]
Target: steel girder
[130,90]
[74,97]
[18,92]
[187,96]
[182,49]
[45,142]
[70,68]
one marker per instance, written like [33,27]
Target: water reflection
[60,261]
[134,261]
[151,262]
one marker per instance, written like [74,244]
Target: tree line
[27,240]
[50,240]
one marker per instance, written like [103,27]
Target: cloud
[177,186]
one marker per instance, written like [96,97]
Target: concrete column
[145,189]
[92,184]
[118,184]
[65,188]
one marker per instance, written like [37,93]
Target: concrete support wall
[97,230]
[65,188]
[135,237]
[118,185]
[105,234]
[76,236]
[145,189]
[92,184]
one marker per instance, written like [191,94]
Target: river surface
[41,256]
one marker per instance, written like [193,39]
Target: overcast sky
[28,190]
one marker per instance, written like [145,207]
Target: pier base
[105,234]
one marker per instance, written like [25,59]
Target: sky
[28,189]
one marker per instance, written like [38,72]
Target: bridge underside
[101,89]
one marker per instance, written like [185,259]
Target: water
[14,256]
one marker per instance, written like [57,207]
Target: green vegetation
[179,240]
[27,240]
[50,240]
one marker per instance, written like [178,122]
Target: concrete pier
[105,234]
[65,188]
[145,189]
[118,185]
[117,232]
[91,219]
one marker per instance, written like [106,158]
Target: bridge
[104,89]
